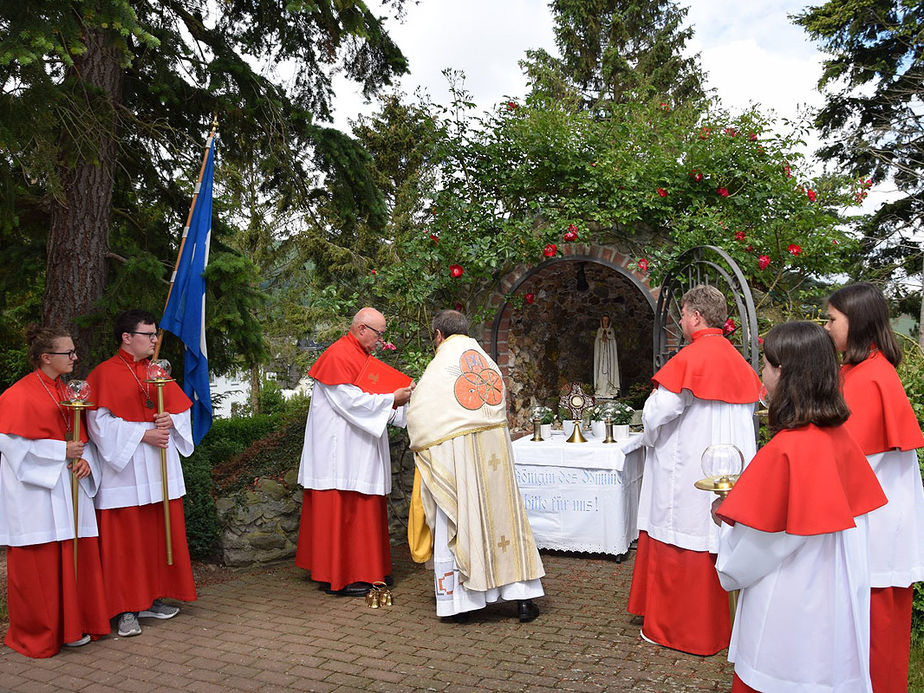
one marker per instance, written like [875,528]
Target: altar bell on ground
[703,396]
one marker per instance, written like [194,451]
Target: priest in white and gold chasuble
[457,424]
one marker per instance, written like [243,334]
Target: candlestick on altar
[78,392]
[722,464]
[159,376]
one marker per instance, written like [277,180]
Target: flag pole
[192,208]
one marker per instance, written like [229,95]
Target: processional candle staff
[159,376]
[722,464]
[78,394]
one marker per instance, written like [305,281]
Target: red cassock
[343,536]
[882,421]
[46,609]
[675,586]
[132,541]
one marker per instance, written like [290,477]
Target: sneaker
[128,625]
[79,643]
[159,610]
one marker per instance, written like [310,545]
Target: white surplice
[131,474]
[346,440]
[803,612]
[36,505]
[896,529]
[677,429]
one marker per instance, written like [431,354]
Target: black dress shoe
[527,610]
[354,589]
[388,580]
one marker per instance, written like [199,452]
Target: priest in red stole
[345,466]
[46,609]
[130,435]
[796,542]
[703,396]
[883,423]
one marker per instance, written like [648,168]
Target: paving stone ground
[272,630]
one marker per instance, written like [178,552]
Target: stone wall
[550,343]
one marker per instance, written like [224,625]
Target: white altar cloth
[580,496]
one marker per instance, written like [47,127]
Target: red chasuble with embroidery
[805,481]
[118,384]
[31,408]
[712,369]
[881,417]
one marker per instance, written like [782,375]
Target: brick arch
[496,330]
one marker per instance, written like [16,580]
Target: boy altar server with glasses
[130,434]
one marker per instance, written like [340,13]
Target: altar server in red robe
[130,435]
[345,466]
[796,542]
[883,423]
[703,396]
[46,608]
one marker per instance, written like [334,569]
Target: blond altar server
[37,458]
[796,542]
[703,396]
[483,547]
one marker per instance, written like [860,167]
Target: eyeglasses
[72,354]
[378,333]
[149,335]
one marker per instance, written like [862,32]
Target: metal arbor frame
[704,264]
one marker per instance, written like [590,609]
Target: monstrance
[576,402]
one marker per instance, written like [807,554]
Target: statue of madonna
[606,361]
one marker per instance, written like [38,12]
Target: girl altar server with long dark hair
[796,540]
[883,423]
[46,608]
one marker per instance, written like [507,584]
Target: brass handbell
[383,594]
[372,598]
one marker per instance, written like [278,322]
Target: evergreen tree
[621,50]
[104,107]
[873,80]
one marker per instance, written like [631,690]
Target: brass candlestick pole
[76,406]
[609,431]
[159,376]
[537,431]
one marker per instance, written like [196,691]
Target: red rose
[730,132]
[373,272]
[550,250]
[698,177]
[458,307]
[763,261]
[434,238]
[811,194]
[662,192]
[643,264]
[753,137]
[593,164]
[456,271]
[704,133]
[760,340]
[664,107]
[739,235]
[530,298]
[787,171]
[722,192]
[512,105]
[572,233]
[834,241]
[794,249]
[750,248]
[729,326]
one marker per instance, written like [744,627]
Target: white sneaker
[159,610]
[128,625]
[78,643]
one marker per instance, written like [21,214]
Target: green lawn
[916,669]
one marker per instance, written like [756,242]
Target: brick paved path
[271,630]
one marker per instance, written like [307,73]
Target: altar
[580,496]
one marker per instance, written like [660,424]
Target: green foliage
[911,372]
[873,79]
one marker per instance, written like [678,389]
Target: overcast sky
[750,50]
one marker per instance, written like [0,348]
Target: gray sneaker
[159,610]
[78,643]
[128,625]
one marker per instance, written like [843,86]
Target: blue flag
[184,314]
